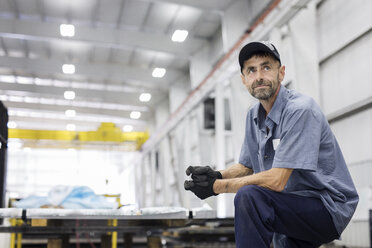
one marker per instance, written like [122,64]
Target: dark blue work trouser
[263,216]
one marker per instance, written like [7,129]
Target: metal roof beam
[206,5]
[101,37]
[40,115]
[100,72]
[84,110]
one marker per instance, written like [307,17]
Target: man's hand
[202,190]
[202,173]
[203,178]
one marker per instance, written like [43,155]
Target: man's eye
[267,68]
[251,70]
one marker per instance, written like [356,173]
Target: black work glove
[202,173]
[203,180]
[200,189]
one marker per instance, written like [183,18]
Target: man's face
[262,76]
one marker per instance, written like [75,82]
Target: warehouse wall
[326,49]
[344,39]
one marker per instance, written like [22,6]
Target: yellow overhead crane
[106,133]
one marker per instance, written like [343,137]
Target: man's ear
[243,78]
[281,73]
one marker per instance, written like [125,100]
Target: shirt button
[266,157]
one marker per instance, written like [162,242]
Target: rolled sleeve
[244,158]
[249,139]
[299,141]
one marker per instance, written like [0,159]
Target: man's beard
[264,93]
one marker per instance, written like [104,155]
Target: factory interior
[104,104]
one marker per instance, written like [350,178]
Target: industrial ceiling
[97,73]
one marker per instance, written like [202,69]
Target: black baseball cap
[255,47]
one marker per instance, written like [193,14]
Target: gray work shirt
[295,134]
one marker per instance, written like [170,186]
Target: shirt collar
[276,111]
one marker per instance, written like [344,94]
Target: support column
[3,151]
[220,142]
[166,172]
[140,182]
[153,176]
[187,158]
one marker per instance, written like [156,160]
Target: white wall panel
[200,66]
[239,17]
[234,27]
[346,78]
[304,46]
[356,235]
[340,22]
[354,135]
[177,94]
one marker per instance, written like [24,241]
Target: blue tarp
[68,197]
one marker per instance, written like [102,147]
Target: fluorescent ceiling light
[12,124]
[44,82]
[68,68]
[59,83]
[28,99]
[67,30]
[180,35]
[145,97]
[7,79]
[15,98]
[70,113]
[127,128]
[158,72]
[25,80]
[70,127]
[15,144]
[135,115]
[69,95]
[47,101]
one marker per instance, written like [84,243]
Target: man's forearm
[274,179]
[236,170]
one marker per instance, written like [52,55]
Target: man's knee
[247,194]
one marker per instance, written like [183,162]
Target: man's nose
[259,75]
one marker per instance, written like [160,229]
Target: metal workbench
[57,225]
